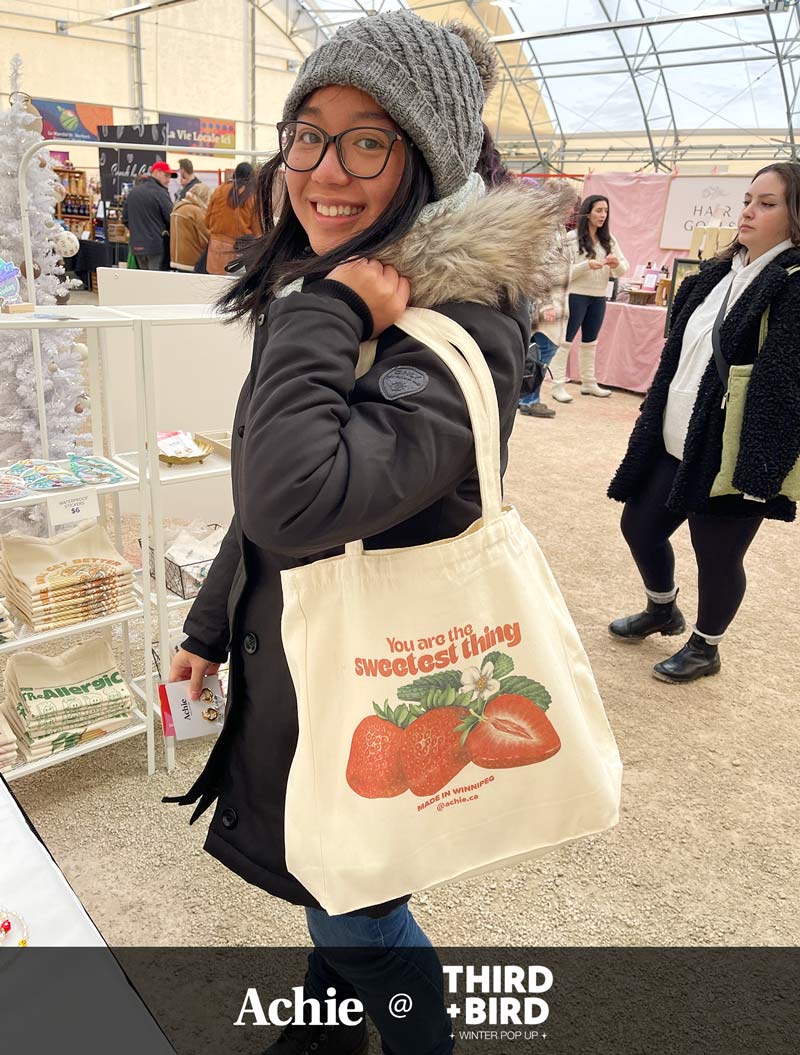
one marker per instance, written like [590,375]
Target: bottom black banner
[508,1001]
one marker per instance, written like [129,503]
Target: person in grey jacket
[146,214]
[382,208]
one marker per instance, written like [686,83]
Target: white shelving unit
[93,322]
[161,475]
[144,472]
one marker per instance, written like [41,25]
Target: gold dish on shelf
[220,442]
[173,459]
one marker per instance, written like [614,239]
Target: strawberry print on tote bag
[449,722]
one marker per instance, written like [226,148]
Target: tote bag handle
[462,356]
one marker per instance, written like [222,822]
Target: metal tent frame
[646,68]
[626,43]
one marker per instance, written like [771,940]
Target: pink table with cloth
[629,346]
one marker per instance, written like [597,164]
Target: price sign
[72,508]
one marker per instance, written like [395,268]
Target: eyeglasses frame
[337,141]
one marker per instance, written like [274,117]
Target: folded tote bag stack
[449,721]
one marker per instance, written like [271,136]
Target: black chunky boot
[697,659]
[657,618]
[321,1040]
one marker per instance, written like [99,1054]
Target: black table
[92,255]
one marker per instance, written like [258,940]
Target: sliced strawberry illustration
[432,751]
[374,769]
[510,731]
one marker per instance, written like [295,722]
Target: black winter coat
[770,439]
[319,459]
[146,214]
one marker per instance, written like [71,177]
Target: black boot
[321,1040]
[657,618]
[697,659]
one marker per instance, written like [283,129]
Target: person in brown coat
[232,214]
[188,234]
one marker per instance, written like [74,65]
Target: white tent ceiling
[668,80]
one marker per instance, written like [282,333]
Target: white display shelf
[137,686]
[85,627]
[130,482]
[212,465]
[81,317]
[137,725]
[172,599]
[169,314]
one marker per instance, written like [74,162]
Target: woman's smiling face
[332,205]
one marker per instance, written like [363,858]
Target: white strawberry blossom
[480,682]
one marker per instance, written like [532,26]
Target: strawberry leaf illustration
[469,723]
[501,663]
[531,690]
[417,691]
[382,712]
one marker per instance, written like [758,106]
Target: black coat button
[250,644]
[229,818]
[240,431]
[260,319]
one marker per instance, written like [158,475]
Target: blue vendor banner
[68,120]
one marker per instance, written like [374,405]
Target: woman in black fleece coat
[675,450]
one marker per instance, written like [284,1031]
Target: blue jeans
[546,352]
[373,960]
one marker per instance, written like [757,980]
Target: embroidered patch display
[403,381]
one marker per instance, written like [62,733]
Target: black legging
[719,542]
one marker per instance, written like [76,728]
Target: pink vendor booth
[630,343]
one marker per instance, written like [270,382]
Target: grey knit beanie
[432,81]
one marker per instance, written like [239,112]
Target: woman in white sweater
[595,258]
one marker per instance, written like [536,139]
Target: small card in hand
[187,719]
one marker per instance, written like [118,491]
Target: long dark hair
[789,172]
[585,243]
[491,167]
[241,188]
[283,254]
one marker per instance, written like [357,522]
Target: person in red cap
[146,215]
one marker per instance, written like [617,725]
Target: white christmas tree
[62,358]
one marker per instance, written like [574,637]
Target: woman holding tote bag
[738,317]
[335,443]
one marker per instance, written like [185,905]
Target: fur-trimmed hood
[500,247]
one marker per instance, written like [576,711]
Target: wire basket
[184,580]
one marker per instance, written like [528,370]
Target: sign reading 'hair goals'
[700,201]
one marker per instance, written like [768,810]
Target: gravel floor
[706,852]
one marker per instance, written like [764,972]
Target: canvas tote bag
[449,722]
[737,382]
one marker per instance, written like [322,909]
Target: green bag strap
[762,333]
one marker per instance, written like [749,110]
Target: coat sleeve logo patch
[402,381]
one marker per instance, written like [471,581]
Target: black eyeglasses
[362,152]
